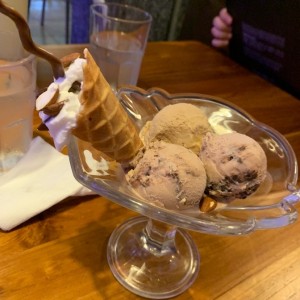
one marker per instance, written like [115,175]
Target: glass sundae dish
[152,255]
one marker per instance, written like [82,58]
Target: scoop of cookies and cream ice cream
[182,124]
[168,175]
[235,165]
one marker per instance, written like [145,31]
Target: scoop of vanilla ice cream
[235,165]
[182,124]
[61,125]
[169,175]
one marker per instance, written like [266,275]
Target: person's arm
[221,29]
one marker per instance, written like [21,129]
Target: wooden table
[61,253]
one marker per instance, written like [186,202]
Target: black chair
[68,2]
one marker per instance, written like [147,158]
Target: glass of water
[118,36]
[17,99]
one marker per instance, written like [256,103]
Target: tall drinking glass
[17,99]
[118,36]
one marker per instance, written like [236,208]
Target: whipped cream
[61,125]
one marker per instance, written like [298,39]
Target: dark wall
[198,19]
[162,13]
[190,20]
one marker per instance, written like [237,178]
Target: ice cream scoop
[182,123]
[235,165]
[168,175]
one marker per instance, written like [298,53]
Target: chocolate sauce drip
[27,42]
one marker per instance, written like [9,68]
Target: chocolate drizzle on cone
[68,59]
[53,109]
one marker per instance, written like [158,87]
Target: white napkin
[42,178]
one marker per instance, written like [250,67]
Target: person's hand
[221,29]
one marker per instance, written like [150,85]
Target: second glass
[118,36]
[17,100]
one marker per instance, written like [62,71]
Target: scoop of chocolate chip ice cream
[235,165]
[168,175]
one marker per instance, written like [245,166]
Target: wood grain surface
[61,253]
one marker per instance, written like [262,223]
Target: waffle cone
[102,120]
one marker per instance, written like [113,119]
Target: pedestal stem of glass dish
[159,238]
[153,259]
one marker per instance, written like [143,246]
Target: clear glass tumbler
[118,36]
[17,100]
